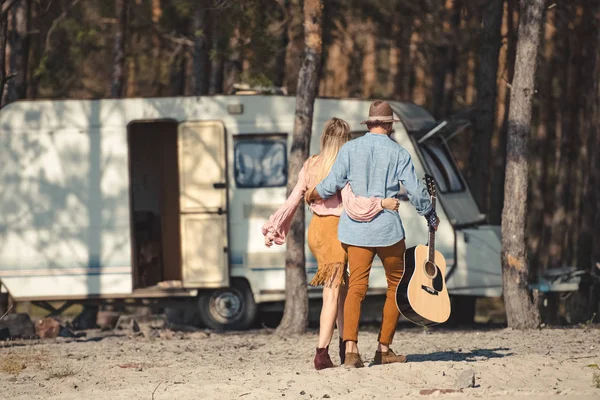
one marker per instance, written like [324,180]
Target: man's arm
[338,176]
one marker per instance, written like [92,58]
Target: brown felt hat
[380,111]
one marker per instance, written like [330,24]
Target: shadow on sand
[470,356]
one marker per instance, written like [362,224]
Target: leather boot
[342,351]
[322,359]
[353,360]
[388,357]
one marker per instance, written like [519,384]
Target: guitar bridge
[429,290]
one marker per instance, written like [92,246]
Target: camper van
[165,198]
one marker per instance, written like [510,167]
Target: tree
[200,55]
[489,47]
[283,40]
[5,6]
[521,308]
[118,78]
[18,41]
[295,315]
[595,141]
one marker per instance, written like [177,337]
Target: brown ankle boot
[387,357]
[342,351]
[353,360]
[322,359]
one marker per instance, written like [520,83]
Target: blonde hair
[335,135]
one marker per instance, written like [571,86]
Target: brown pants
[360,260]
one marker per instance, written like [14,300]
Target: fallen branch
[159,383]
[7,311]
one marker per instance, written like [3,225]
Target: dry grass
[61,372]
[14,363]
[596,380]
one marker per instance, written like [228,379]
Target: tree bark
[3,39]
[18,41]
[591,121]
[283,39]
[5,7]
[295,315]
[486,82]
[200,56]
[595,170]
[217,69]
[118,78]
[521,308]
[156,47]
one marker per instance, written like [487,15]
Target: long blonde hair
[335,135]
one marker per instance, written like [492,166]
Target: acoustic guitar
[421,295]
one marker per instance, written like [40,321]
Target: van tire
[463,310]
[231,308]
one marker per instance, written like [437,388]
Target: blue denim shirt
[374,165]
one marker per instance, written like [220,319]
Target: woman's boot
[322,359]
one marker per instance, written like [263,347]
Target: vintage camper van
[165,198]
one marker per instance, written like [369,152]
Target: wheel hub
[226,304]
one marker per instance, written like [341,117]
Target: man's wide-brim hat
[380,112]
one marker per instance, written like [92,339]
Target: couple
[353,184]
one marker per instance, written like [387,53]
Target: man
[374,165]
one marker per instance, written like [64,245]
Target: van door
[203,204]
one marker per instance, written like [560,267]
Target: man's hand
[268,241]
[432,220]
[437,223]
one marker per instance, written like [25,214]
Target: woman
[322,232]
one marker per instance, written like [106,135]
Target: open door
[203,204]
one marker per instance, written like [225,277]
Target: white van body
[78,176]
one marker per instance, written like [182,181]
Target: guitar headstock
[430,182]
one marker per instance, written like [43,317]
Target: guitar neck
[432,237]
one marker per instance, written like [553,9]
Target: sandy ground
[163,364]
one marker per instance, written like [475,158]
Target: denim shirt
[374,165]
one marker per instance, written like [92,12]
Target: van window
[442,166]
[260,161]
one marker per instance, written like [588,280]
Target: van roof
[85,114]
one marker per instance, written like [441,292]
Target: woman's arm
[278,225]
[364,209]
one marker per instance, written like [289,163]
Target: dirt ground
[163,364]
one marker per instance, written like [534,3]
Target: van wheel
[229,308]
[463,310]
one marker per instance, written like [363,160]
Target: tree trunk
[596,157]
[200,56]
[497,189]
[564,141]
[156,48]
[18,41]
[217,68]
[487,70]
[5,7]
[118,78]
[590,120]
[281,51]
[521,308]
[295,315]
[177,71]
[3,39]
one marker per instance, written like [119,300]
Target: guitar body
[421,295]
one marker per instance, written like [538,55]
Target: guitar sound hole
[430,269]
